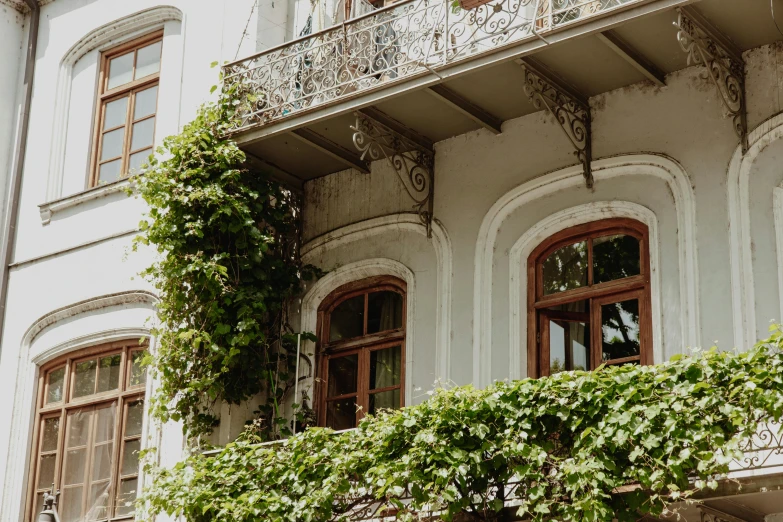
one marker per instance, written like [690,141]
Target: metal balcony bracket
[377,136]
[570,109]
[706,45]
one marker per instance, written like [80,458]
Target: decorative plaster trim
[777,211]
[604,169]
[100,38]
[443,253]
[23,413]
[50,208]
[524,246]
[743,296]
[354,272]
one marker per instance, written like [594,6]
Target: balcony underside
[636,42]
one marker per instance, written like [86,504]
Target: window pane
[101,462]
[565,268]
[347,319]
[135,419]
[385,367]
[109,373]
[569,346]
[138,373]
[112,144]
[54,391]
[70,504]
[146,101]
[51,432]
[46,472]
[110,172]
[39,502]
[384,311]
[388,400]
[130,457]
[104,424]
[620,329]
[126,496]
[98,501]
[84,380]
[75,466]
[142,134]
[78,428]
[615,257]
[342,375]
[115,114]
[138,159]
[120,70]
[148,60]
[341,415]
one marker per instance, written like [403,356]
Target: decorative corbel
[570,109]
[705,45]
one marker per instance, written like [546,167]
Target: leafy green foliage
[563,445]
[227,266]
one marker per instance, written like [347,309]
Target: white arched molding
[777,211]
[34,351]
[743,298]
[355,272]
[103,37]
[658,166]
[443,253]
[524,246]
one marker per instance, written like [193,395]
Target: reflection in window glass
[388,400]
[565,268]
[385,367]
[84,380]
[342,375]
[569,346]
[341,414]
[138,373]
[109,373]
[615,257]
[54,392]
[347,319]
[384,311]
[620,330]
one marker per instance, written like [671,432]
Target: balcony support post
[705,45]
[571,110]
[412,160]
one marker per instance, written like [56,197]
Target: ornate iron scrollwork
[572,114]
[725,67]
[413,164]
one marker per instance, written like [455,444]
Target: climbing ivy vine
[227,266]
[564,447]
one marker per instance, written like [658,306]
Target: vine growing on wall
[227,267]
[565,447]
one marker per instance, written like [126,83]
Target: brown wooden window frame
[361,345]
[632,287]
[124,396]
[106,95]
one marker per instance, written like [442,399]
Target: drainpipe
[12,214]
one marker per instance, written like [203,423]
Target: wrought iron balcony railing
[386,46]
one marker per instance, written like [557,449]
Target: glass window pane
[620,329]
[46,471]
[120,70]
[569,346]
[565,268]
[385,367]
[54,390]
[130,457]
[112,144]
[99,501]
[138,373]
[75,466]
[388,400]
[109,373]
[109,171]
[135,419]
[384,311]
[142,134]
[347,319]
[101,462]
[51,432]
[104,424]
[84,379]
[342,375]
[139,159]
[115,114]
[148,60]
[341,415]
[146,102]
[126,496]
[615,257]
[78,428]
[39,502]
[70,504]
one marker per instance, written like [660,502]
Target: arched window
[361,337]
[90,410]
[589,298]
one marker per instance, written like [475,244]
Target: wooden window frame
[106,95]
[362,345]
[637,286]
[124,395]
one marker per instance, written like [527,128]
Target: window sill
[50,208]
